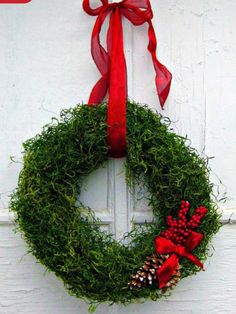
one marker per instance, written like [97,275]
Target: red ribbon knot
[112,66]
[165,246]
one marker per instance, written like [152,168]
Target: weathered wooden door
[45,66]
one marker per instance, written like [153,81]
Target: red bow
[112,66]
[164,246]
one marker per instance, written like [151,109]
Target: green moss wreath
[66,238]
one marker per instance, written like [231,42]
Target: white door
[45,66]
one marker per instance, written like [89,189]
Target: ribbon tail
[102,61]
[116,114]
[163,76]
[194,260]
[167,269]
[99,91]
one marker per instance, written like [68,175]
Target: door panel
[106,192]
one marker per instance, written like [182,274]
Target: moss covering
[66,238]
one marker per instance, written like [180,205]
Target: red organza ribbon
[112,66]
[164,246]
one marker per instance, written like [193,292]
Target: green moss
[66,238]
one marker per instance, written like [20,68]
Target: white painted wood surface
[27,289]
[45,66]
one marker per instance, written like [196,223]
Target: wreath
[64,235]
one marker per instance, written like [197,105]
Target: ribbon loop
[137,12]
[93,12]
[112,66]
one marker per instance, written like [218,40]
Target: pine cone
[147,273]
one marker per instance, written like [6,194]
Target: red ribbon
[164,246]
[112,66]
